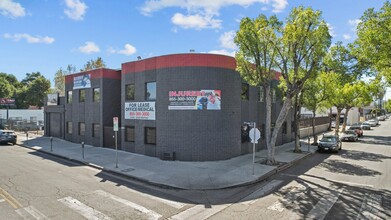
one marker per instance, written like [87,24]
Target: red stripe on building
[96,74]
[180,60]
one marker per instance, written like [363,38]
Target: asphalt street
[353,184]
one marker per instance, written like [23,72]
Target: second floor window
[69,97]
[96,95]
[129,93]
[261,94]
[245,91]
[150,91]
[82,95]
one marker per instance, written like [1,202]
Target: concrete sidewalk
[177,174]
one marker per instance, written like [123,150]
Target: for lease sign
[140,110]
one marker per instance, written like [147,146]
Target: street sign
[115,123]
[257,135]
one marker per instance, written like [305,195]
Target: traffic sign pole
[254,140]
[115,128]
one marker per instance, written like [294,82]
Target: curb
[164,186]
[102,168]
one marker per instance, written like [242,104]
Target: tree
[5,88]
[317,94]
[12,82]
[355,94]
[37,91]
[373,44]
[59,78]
[256,60]
[296,49]
[93,64]
[33,90]
[303,44]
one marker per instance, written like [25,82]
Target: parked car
[372,123]
[330,143]
[349,135]
[381,118]
[7,136]
[357,128]
[366,126]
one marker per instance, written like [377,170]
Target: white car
[372,122]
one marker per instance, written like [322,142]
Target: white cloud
[128,50]
[223,52]
[227,40]
[347,37]
[30,39]
[195,21]
[353,23]
[331,30]
[202,13]
[75,9]
[89,47]
[207,6]
[11,9]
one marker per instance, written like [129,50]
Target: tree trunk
[296,118]
[345,119]
[268,119]
[315,136]
[280,120]
[330,115]
[339,110]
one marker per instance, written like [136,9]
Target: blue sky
[45,35]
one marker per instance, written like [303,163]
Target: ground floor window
[95,130]
[150,135]
[82,128]
[129,134]
[69,127]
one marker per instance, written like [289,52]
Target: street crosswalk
[285,199]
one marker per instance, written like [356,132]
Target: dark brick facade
[194,135]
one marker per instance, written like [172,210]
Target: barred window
[95,130]
[82,95]
[129,93]
[82,128]
[129,134]
[69,127]
[96,95]
[245,91]
[69,97]
[150,135]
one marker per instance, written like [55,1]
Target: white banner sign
[82,81]
[140,110]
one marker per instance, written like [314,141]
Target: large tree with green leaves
[296,49]
[256,60]
[34,89]
[356,94]
[317,94]
[304,42]
[373,44]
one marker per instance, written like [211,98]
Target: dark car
[330,143]
[349,135]
[7,136]
[357,128]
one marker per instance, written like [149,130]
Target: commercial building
[190,107]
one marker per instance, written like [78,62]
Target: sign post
[254,135]
[115,128]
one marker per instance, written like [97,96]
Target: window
[129,93]
[95,130]
[284,128]
[274,96]
[129,134]
[69,127]
[96,96]
[150,91]
[245,88]
[261,94]
[82,128]
[69,97]
[82,95]
[150,135]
